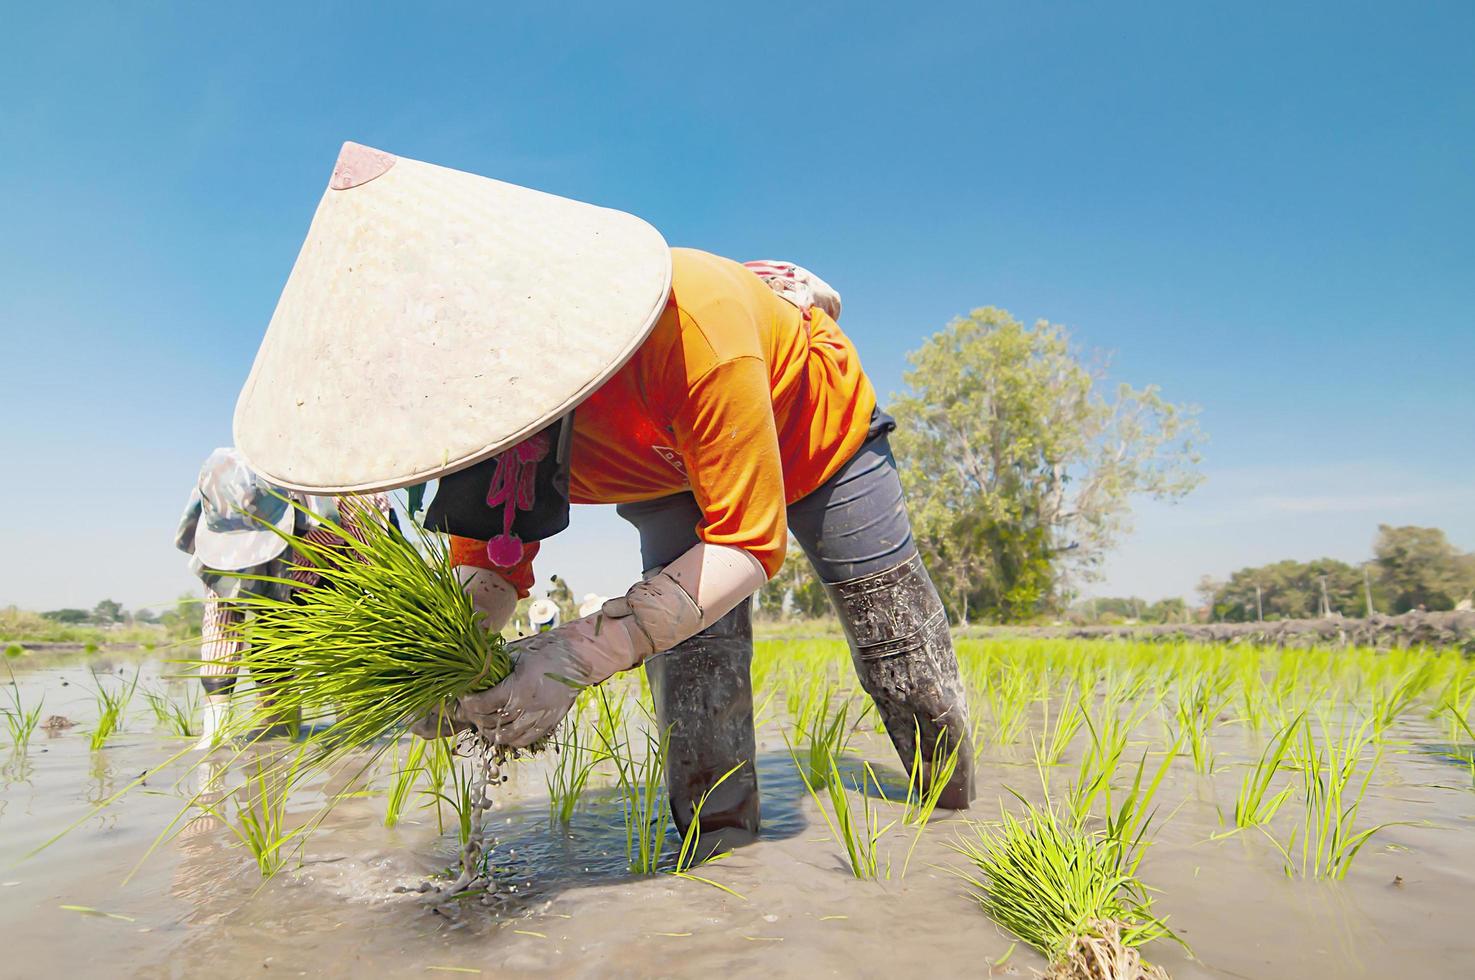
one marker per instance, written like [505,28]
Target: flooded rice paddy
[99,902]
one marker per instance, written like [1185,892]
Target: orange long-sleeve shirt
[735,397]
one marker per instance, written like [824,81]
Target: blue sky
[1267,212]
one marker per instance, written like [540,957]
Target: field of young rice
[1224,811]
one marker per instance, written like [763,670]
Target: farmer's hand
[549,670]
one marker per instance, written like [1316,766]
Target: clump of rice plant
[689,856]
[1334,780]
[1068,890]
[461,797]
[569,775]
[859,833]
[1254,805]
[1052,747]
[641,783]
[826,735]
[13,650]
[1392,696]
[1196,710]
[177,716]
[927,779]
[261,815]
[111,707]
[387,635]
[20,720]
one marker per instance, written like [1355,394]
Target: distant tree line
[180,621]
[1411,568]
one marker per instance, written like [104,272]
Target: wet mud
[96,903]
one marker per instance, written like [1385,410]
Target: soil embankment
[1432,629]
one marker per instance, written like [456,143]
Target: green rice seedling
[926,781]
[1394,695]
[1008,694]
[1334,780]
[177,716]
[1462,726]
[438,762]
[402,779]
[1254,805]
[111,707]
[387,635]
[459,795]
[641,784]
[20,720]
[1053,882]
[1196,711]
[827,736]
[570,772]
[1457,697]
[261,813]
[859,833]
[690,856]
[1125,815]
[1051,748]
[13,650]
[609,726]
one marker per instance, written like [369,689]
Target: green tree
[1020,466]
[107,612]
[1288,590]
[795,590]
[68,617]
[1417,566]
[183,622]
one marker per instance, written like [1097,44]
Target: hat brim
[433,318]
[234,551]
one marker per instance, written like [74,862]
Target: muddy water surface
[198,907]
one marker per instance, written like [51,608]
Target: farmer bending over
[530,351]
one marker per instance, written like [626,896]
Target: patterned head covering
[227,523]
[797,285]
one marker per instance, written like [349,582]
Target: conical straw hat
[434,318]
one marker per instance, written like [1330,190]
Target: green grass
[13,650]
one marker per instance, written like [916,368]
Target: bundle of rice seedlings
[385,636]
[1069,891]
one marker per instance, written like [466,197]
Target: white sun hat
[435,318]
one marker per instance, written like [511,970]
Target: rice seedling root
[1100,954]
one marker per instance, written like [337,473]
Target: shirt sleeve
[725,432]
[471,553]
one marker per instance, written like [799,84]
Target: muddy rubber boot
[703,690]
[903,652]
